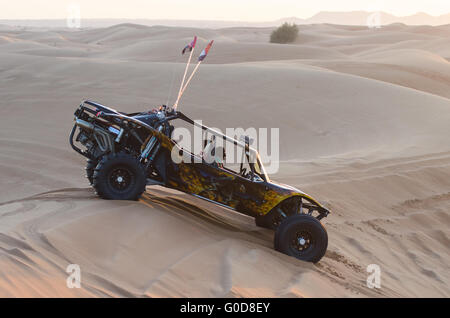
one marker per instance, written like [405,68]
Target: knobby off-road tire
[90,167]
[119,176]
[301,236]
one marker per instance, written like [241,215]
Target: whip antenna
[201,57]
[191,48]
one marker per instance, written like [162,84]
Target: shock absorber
[150,145]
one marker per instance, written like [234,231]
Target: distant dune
[364,123]
[340,18]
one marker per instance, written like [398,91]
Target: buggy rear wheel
[303,237]
[119,176]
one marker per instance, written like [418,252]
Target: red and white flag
[190,46]
[205,51]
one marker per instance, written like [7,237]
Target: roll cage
[252,156]
[123,121]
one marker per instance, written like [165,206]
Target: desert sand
[364,118]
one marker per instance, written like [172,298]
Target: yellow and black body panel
[227,188]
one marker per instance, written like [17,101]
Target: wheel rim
[120,179]
[301,242]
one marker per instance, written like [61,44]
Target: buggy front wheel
[303,237]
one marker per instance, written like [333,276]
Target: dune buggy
[127,152]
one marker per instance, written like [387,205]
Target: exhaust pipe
[84,124]
[102,137]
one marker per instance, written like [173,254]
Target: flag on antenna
[190,46]
[205,51]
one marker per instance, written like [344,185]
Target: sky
[231,10]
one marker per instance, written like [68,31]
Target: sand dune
[364,125]
[418,69]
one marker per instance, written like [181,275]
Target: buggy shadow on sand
[127,152]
